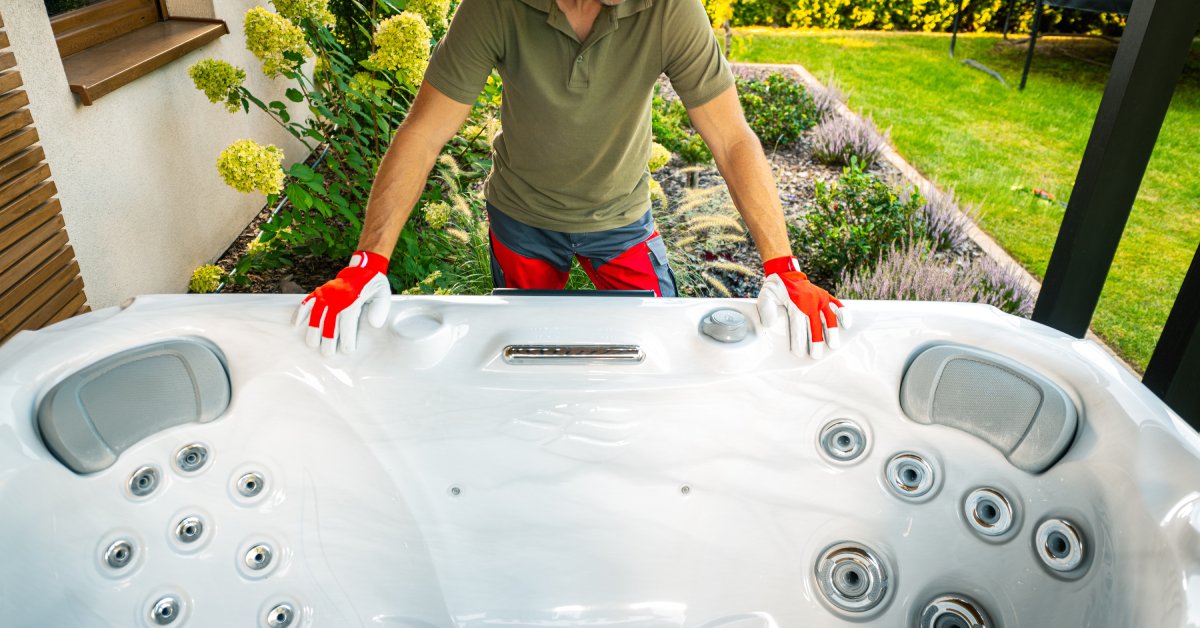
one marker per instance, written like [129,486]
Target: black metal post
[1033,33]
[1174,370]
[954,29]
[1007,16]
[1149,61]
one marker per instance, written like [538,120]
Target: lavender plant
[1003,287]
[944,223]
[827,99]
[914,272]
[837,139]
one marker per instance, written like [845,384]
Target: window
[105,44]
[54,7]
[94,22]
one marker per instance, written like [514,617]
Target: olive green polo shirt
[575,118]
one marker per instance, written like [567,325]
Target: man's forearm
[398,185]
[752,187]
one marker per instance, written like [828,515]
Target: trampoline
[1119,7]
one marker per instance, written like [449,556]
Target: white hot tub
[558,461]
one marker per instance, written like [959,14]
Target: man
[569,176]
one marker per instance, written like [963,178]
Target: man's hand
[813,314]
[333,310]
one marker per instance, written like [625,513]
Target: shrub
[761,12]
[206,279]
[913,272]
[719,11]
[852,222]
[840,139]
[673,129]
[777,108]
[923,15]
[659,156]
[693,150]
[354,22]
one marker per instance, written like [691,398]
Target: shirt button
[579,59]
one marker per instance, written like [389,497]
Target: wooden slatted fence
[39,277]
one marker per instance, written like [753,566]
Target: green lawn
[965,130]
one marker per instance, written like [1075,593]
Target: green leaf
[299,196]
[303,173]
[294,95]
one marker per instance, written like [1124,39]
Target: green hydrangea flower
[363,85]
[299,10]
[246,166]
[659,156]
[402,46]
[656,192]
[219,81]
[205,279]
[259,247]
[434,13]
[437,215]
[269,36]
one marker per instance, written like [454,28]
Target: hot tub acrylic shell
[425,481]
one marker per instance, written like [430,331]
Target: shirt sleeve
[692,58]
[473,45]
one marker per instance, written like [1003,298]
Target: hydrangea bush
[354,101]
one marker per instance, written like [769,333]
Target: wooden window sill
[99,70]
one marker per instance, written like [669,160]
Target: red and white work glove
[813,315]
[333,310]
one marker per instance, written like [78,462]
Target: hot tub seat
[1021,413]
[108,406]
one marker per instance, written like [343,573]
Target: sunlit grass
[964,129]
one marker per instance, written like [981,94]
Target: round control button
[725,325]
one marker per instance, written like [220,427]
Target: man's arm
[332,310]
[431,122]
[740,159]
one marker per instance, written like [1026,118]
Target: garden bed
[710,249]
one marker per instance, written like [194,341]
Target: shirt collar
[625,9]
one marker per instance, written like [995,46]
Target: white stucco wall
[136,171]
